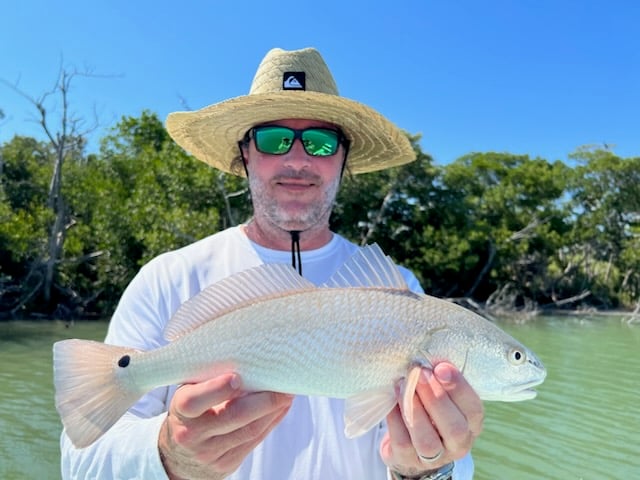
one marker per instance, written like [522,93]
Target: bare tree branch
[635,315]
[373,225]
[527,231]
[65,137]
[573,299]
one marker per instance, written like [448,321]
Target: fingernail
[443,373]
[235,382]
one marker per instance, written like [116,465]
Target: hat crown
[270,76]
[290,84]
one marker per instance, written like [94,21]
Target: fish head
[496,365]
[500,368]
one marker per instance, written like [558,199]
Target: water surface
[584,424]
[29,423]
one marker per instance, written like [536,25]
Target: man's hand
[212,426]
[447,418]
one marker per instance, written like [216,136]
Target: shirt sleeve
[129,449]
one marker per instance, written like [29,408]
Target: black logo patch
[294,81]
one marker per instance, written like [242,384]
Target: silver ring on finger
[435,458]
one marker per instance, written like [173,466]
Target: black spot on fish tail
[124,361]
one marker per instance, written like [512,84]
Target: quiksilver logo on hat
[293,81]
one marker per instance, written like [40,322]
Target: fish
[358,337]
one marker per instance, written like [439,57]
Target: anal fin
[364,410]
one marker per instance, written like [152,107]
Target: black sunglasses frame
[297,135]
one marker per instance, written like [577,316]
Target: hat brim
[212,133]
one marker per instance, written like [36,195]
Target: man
[293,136]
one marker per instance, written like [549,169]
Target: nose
[297,158]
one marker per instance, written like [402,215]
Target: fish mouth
[521,391]
[515,392]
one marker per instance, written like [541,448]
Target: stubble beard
[315,214]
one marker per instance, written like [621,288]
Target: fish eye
[517,356]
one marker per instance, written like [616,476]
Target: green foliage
[514,217]
[140,196]
[605,201]
[23,195]
[489,225]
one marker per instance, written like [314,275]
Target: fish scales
[356,337]
[296,344]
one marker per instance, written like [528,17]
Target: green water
[29,425]
[584,424]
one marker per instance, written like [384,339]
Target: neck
[276,238]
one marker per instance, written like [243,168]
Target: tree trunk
[55,200]
[57,236]
[485,270]
[379,216]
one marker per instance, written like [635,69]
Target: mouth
[294,185]
[522,391]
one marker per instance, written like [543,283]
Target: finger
[405,443]
[193,400]
[424,435]
[462,394]
[196,445]
[448,419]
[397,450]
[396,443]
[247,409]
[230,459]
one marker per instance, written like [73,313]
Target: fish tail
[91,391]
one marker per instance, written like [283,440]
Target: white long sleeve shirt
[308,444]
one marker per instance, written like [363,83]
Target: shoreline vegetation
[505,232]
[629,316]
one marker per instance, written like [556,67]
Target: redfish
[355,337]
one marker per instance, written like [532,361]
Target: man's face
[294,191]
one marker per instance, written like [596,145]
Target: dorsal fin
[369,267]
[245,287]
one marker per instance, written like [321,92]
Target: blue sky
[536,77]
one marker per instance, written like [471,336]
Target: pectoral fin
[407,390]
[365,410]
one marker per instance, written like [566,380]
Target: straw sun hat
[290,84]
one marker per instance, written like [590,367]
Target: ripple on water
[584,424]
[28,421]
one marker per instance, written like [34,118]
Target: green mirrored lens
[274,140]
[320,142]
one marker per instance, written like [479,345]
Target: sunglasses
[277,140]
